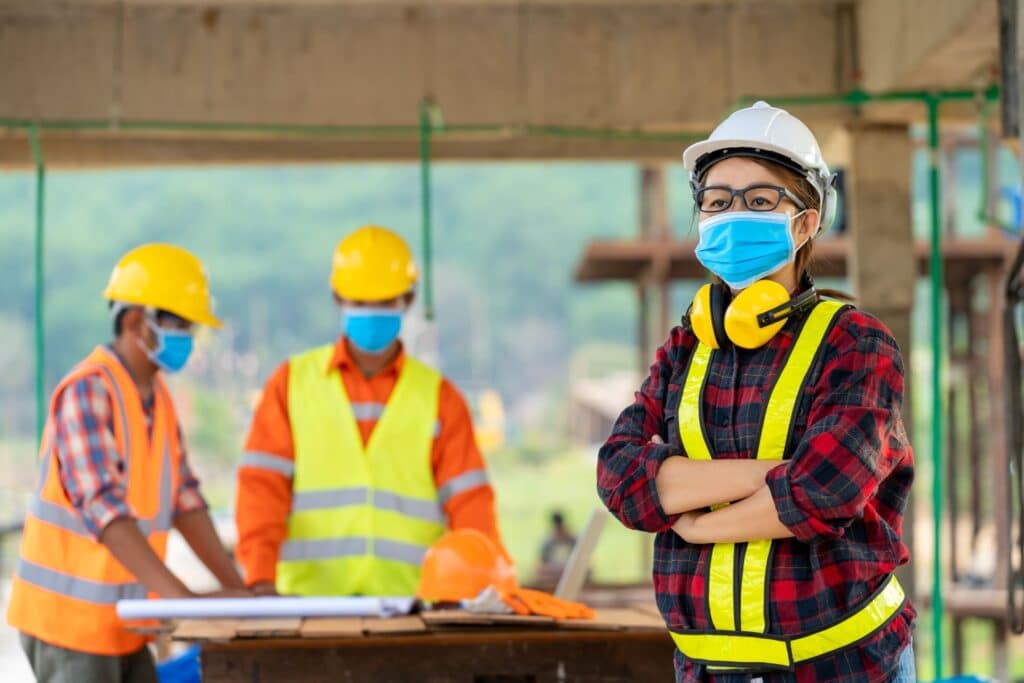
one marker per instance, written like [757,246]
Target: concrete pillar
[882,263]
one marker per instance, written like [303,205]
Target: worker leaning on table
[359,456]
[114,479]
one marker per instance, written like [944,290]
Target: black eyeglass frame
[784,193]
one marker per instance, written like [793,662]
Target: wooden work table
[619,645]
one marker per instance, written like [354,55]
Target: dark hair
[557,518]
[118,319]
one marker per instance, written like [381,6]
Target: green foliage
[214,428]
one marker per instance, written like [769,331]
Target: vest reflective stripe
[721,604]
[332,548]
[382,500]
[753,651]
[464,482]
[368,411]
[324,548]
[776,427]
[737,596]
[329,498]
[75,587]
[691,427]
[363,515]
[269,462]
[66,583]
[70,521]
[397,551]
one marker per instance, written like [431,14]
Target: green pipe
[984,214]
[860,97]
[71,125]
[40,337]
[938,389]
[425,222]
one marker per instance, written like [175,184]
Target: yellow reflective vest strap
[776,426]
[724,650]
[721,606]
[362,516]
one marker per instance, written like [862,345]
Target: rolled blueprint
[262,608]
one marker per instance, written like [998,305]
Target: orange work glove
[526,601]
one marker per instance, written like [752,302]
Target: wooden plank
[393,625]
[453,617]
[615,619]
[269,628]
[205,629]
[332,627]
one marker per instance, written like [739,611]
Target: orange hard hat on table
[462,563]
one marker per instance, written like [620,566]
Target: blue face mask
[742,247]
[371,329]
[173,348]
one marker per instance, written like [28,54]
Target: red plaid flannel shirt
[92,467]
[842,494]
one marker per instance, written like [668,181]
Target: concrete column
[882,263]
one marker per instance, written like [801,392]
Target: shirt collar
[341,359]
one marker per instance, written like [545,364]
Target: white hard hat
[767,132]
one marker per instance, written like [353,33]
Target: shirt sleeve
[189,497]
[264,496]
[460,474]
[848,447]
[92,467]
[628,462]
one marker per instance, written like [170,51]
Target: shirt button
[726,422]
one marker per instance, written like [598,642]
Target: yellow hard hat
[166,277]
[373,264]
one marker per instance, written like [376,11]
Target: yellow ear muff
[701,317]
[741,318]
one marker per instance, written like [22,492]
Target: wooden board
[394,625]
[205,629]
[269,628]
[444,618]
[332,627]
[616,619]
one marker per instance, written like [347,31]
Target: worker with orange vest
[114,479]
[359,457]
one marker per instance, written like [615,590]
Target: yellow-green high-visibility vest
[737,574]
[362,516]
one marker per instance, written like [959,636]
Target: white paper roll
[263,608]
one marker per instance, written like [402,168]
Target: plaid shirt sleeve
[189,497]
[92,468]
[844,454]
[628,462]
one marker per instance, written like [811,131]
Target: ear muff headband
[803,301]
[719,304]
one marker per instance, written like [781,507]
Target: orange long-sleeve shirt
[264,496]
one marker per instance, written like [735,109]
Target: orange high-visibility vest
[67,584]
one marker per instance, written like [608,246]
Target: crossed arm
[686,487]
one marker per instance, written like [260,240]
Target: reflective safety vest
[67,584]
[737,580]
[362,517]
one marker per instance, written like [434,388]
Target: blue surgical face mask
[371,329]
[742,247]
[173,348]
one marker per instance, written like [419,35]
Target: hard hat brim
[697,151]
